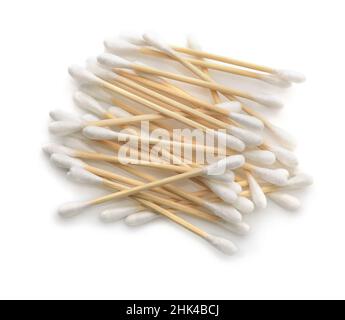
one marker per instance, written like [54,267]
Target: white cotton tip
[72,209]
[220,167]
[156,42]
[226,212]
[222,191]
[141,218]
[66,162]
[300,181]
[222,244]
[244,205]
[268,101]
[83,176]
[230,141]
[240,228]
[289,75]
[193,43]
[82,75]
[52,148]
[260,157]
[113,61]
[230,106]
[285,201]
[77,144]
[134,38]
[119,113]
[99,71]
[278,177]
[117,214]
[61,115]
[283,137]
[286,157]
[65,128]
[250,138]
[276,81]
[258,196]
[88,103]
[247,121]
[120,46]
[99,133]
[224,178]
[97,92]
[234,186]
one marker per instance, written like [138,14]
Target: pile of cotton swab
[106,147]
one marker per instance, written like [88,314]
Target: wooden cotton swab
[119,46]
[287,75]
[116,62]
[222,244]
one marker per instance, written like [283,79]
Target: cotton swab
[288,75]
[118,96]
[116,62]
[285,200]
[120,46]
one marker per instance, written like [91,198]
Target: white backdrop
[286,256]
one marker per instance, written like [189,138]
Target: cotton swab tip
[113,61]
[117,214]
[66,162]
[98,133]
[251,139]
[51,148]
[285,201]
[290,75]
[247,121]
[261,157]
[230,141]
[88,103]
[224,245]
[268,101]
[64,128]
[82,75]
[72,209]
[83,176]
[278,177]
[301,180]
[224,211]
[244,205]
[141,218]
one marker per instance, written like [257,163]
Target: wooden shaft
[206,64]
[166,202]
[151,105]
[168,214]
[125,120]
[172,102]
[236,62]
[193,81]
[123,194]
[114,159]
[177,93]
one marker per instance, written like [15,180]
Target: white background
[286,256]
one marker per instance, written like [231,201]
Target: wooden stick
[114,159]
[228,60]
[172,102]
[125,120]
[123,194]
[193,81]
[205,64]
